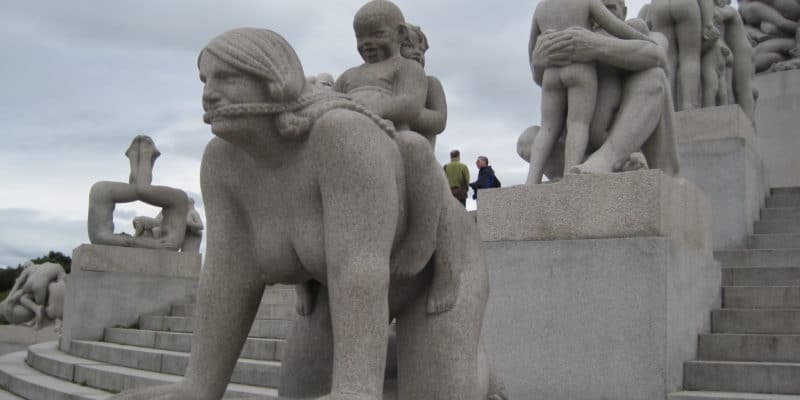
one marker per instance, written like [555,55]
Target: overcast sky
[81,78]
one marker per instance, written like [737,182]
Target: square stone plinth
[113,286]
[719,154]
[632,204]
[597,318]
[777,122]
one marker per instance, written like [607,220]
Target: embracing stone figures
[633,111]
[348,245]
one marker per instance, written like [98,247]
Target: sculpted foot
[590,167]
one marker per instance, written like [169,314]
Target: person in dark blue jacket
[486,177]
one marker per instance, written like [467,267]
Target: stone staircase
[155,353]
[753,351]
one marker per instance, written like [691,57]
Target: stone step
[262,328]
[773,213]
[758,257]
[785,225]
[279,294]
[9,396]
[47,359]
[761,297]
[759,276]
[248,372]
[748,377]
[694,395]
[783,200]
[774,241]
[767,321]
[748,347]
[266,311]
[27,383]
[254,348]
[785,190]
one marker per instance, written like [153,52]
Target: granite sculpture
[273,129]
[432,120]
[569,93]
[37,297]
[105,195]
[772,28]
[633,87]
[688,26]
[741,71]
[151,227]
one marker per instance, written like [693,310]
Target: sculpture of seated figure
[272,128]
[569,93]
[689,28]
[105,195]
[396,88]
[644,120]
[433,118]
[37,297]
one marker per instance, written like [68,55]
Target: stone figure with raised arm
[105,195]
[337,221]
[689,28]
[569,93]
[37,297]
[433,118]
[644,119]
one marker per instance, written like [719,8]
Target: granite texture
[113,286]
[776,126]
[630,204]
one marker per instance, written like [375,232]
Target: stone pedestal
[777,122]
[599,284]
[719,154]
[112,286]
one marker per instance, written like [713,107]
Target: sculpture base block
[112,286]
[719,154]
[587,318]
[777,118]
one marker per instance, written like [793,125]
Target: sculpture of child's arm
[606,20]
[433,118]
[410,91]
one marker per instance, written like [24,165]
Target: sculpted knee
[651,83]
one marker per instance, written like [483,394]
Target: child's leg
[553,115]
[688,28]
[581,83]
[609,97]
[710,78]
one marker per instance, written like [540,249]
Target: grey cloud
[26,234]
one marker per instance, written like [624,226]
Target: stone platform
[113,286]
[600,284]
[719,153]
[777,113]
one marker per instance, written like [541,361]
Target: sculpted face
[376,39]
[224,86]
[412,48]
[617,7]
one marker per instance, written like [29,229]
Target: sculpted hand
[710,33]
[558,49]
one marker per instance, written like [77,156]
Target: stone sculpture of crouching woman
[273,128]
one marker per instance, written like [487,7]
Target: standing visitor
[457,177]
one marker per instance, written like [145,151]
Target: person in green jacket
[457,177]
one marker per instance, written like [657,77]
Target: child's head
[415,46]
[380,28]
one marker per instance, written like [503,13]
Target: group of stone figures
[608,85]
[177,227]
[772,26]
[37,297]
